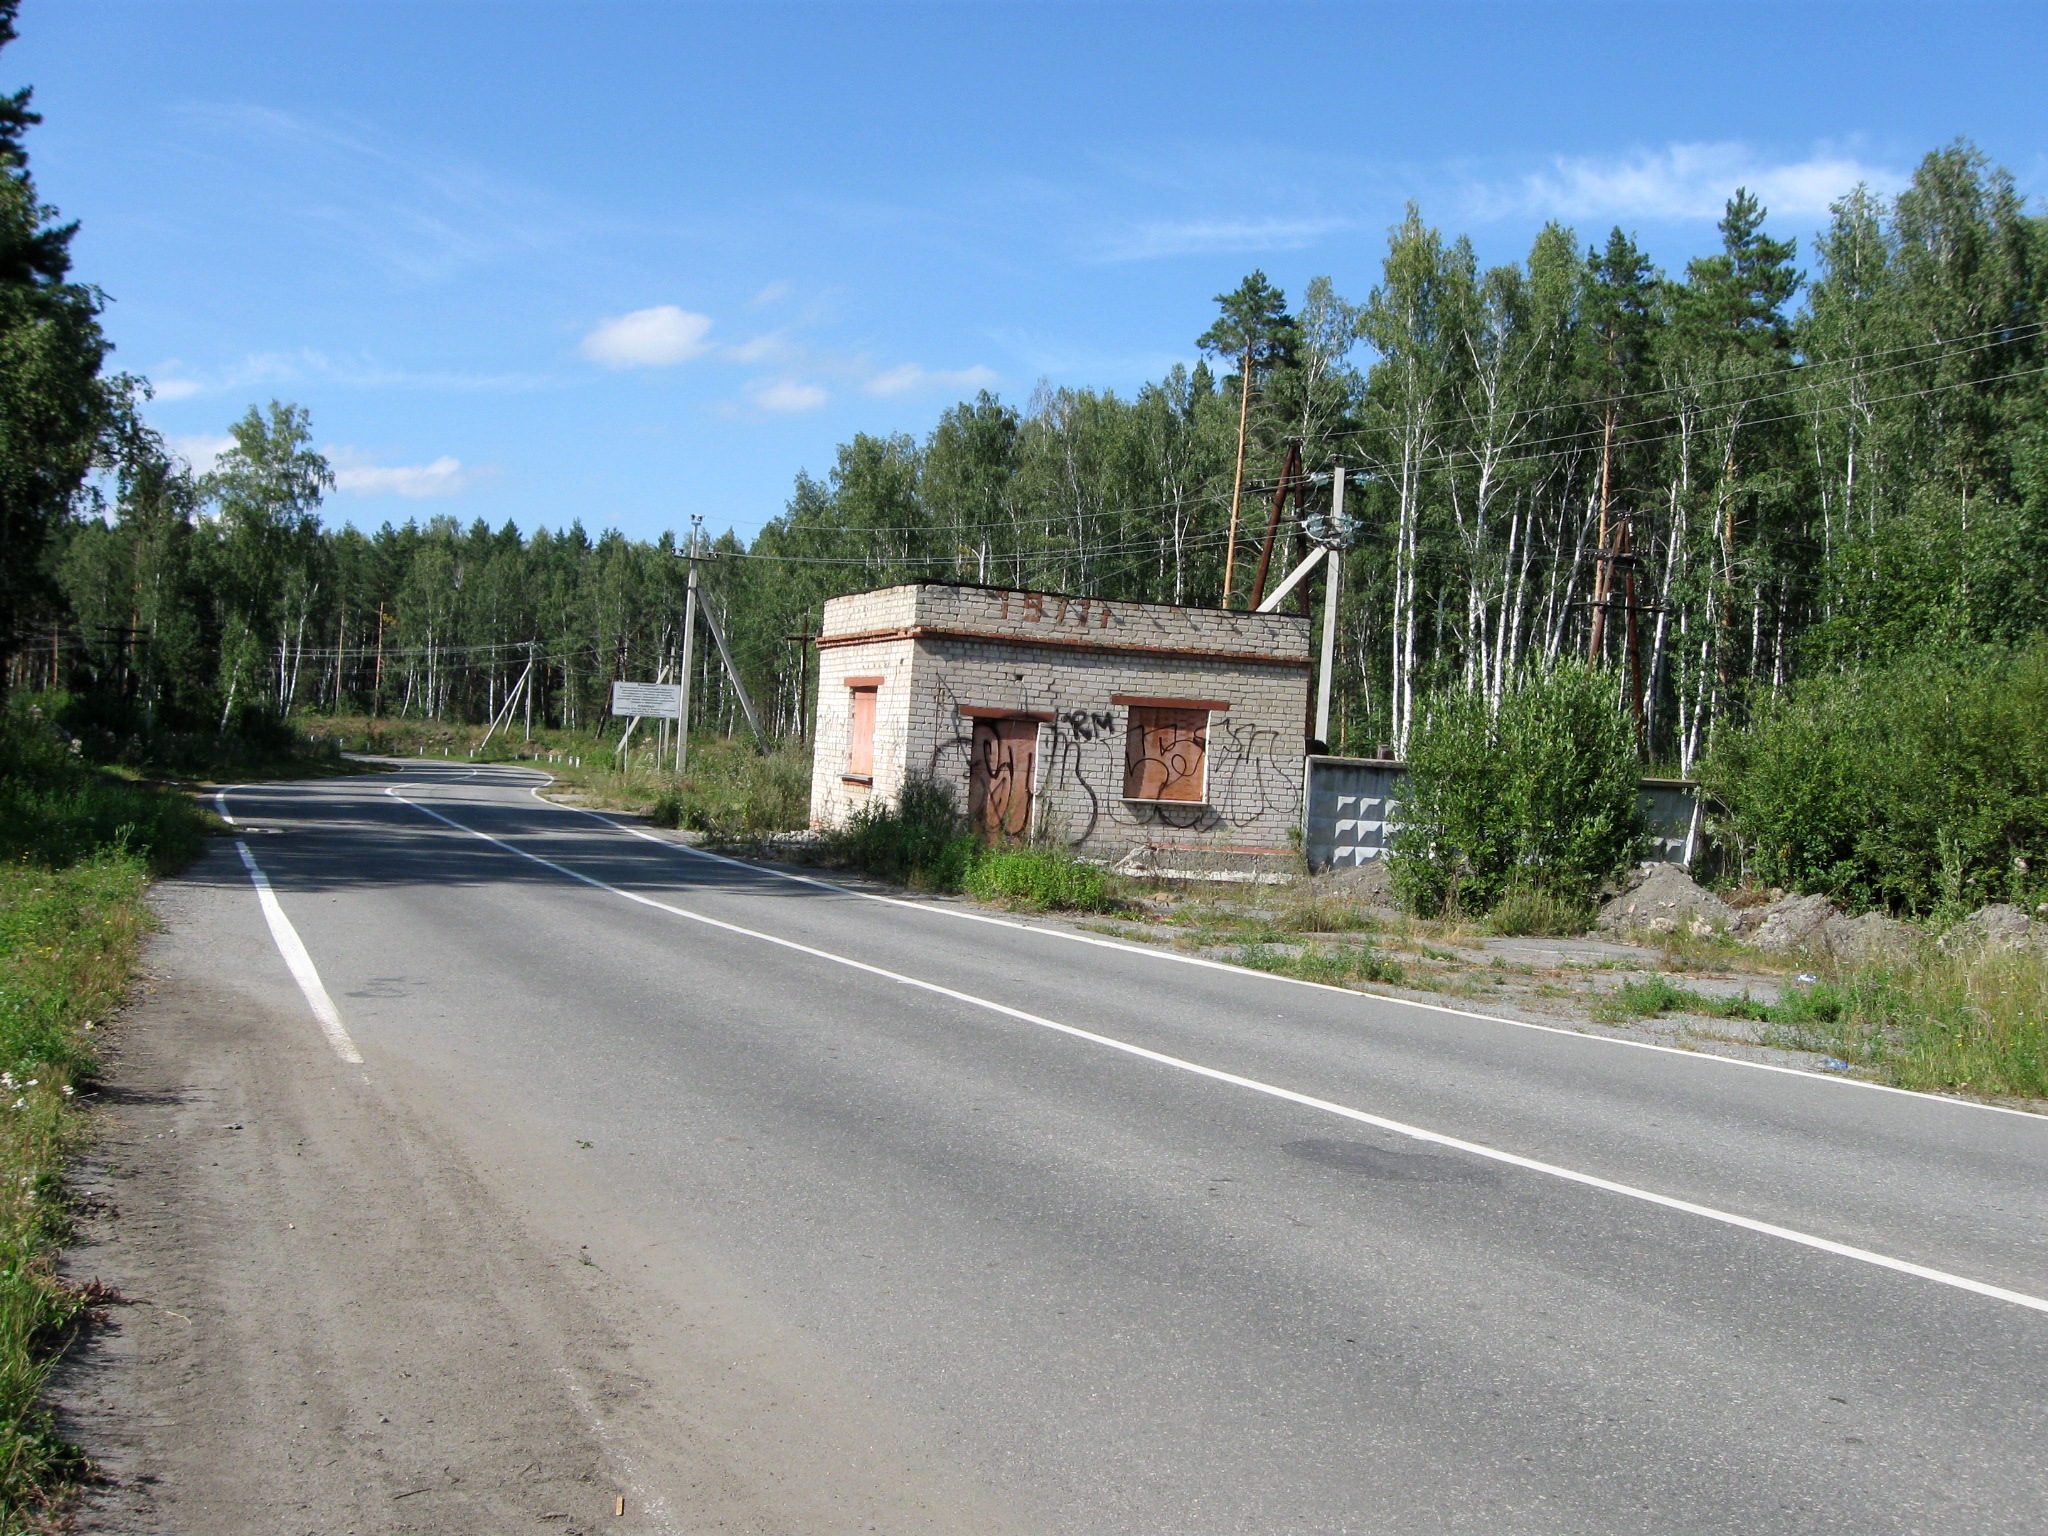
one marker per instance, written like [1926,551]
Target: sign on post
[649,701]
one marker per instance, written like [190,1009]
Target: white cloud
[909,378]
[353,473]
[648,338]
[758,349]
[175,389]
[771,293]
[1682,182]
[789,395]
[201,449]
[1196,237]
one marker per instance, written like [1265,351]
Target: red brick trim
[862,682]
[933,632]
[1214,706]
[977,712]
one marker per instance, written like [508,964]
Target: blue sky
[632,262]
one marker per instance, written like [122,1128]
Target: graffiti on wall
[1250,771]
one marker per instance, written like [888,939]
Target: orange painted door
[999,782]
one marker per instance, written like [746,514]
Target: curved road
[1005,1225]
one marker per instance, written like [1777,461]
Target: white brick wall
[940,648]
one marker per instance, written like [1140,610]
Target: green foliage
[76,848]
[1917,785]
[735,794]
[1533,911]
[56,808]
[920,841]
[59,418]
[1536,795]
[1333,965]
[1041,880]
[1975,1022]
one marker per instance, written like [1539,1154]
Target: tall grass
[1973,1023]
[76,849]
[1041,880]
[736,794]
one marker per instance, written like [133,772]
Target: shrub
[1041,879]
[921,840]
[1537,794]
[57,809]
[734,793]
[1921,786]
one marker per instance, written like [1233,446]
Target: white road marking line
[1287,1095]
[1156,953]
[220,803]
[299,963]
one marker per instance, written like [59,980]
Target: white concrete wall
[1037,654]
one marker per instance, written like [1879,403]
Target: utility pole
[1635,643]
[377,702]
[1333,583]
[1291,479]
[1603,569]
[531,648]
[689,646]
[1244,410]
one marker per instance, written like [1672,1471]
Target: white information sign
[650,701]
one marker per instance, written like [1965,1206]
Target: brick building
[1106,726]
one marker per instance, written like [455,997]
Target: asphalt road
[1087,1238]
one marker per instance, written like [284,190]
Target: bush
[1538,794]
[57,809]
[920,841]
[734,793]
[1042,880]
[1920,786]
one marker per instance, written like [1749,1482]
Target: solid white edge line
[1157,953]
[299,963]
[1287,1095]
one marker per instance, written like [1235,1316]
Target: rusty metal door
[999,782]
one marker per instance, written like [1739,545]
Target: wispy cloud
[200,450]
[1199,237]
[1681,182]
[910,379]
[788,396]
[355,473]
[429,215]
[659,337]
[758,349]
[271,370]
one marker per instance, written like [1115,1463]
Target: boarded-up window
[1166,753]
[860,740]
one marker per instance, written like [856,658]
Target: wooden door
[999,781]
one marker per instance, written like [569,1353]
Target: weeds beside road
[77,847]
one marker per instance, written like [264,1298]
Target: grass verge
[1333,964]
[77,846]
[1946,1023]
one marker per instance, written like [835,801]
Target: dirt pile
[1665,899]
[2000,926]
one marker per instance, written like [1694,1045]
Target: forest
[1775,462]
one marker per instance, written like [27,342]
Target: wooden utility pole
[1291,479]
[1244,411]
[1603,576]
[1635,648]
